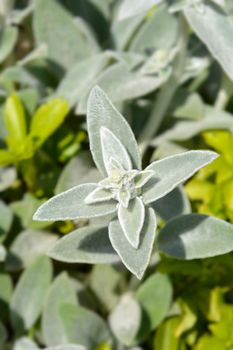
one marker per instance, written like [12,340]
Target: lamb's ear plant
[126,192]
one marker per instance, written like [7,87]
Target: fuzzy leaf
[143,177]
[136,260]
[8,37]
[7,177]
[70,205]
[195,236]
[89,245]
[127,10]
[125,319]
[100,113]
[216,32]
[60,292]
[28,297]
[6,216]
[25,343]
[98,195]
[131,220]
[47,119]
[113,148]
[84,326]
[67,347]
[2,253]
[174,170]
[73,39]
[155,296]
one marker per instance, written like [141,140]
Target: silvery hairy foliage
[126,191]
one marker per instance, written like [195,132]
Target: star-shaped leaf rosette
[126,194]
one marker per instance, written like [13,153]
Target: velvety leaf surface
[89,245]
[60,292]
[70,205]
[127,10]
[100,113]
[174,170]
[136,260]
[6,216]
[195,236]
[216,33]
[29,294]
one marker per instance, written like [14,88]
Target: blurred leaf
[165,336]
[154,296]
[5,294]
[89,245]
[15,121]
[216,33]
[136,260]
[78,170]
[5,221]
[125,319]
[52,21]
[84,326]
[67,347]
[27,246]
[60,292]
[7,177]
[24,210]
[127,10]
[195,236]
[47,119]
[105,275]
[2,253]
[208,342]
[8,38]
[25,343]
[28,297]
[100,113]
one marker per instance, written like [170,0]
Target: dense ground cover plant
[164,71]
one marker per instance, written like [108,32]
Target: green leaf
[25,343]
[70,205]
[27,246]
[173,204]
[216,32]
[125,319]
[8,38]
[15,121]
[131,220]
[60,292]
[47,119]
[84,326]
[98,195]
[5,294]
[136,260]
[80,77]
[52,21]
[195,236]
[101,113]
[6,158]
[6,216]
[172,171]
[89,245]
[208,342]
[28,297]
[154,296]
[166,337]
[127,10]
[78,170]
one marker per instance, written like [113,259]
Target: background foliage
[168,67]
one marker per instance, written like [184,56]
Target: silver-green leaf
[136,260]
[195,236]
[70,205]
[89,245]
[101,112]
[172,171]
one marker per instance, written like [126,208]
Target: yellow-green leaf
[15,121]
[47,119]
